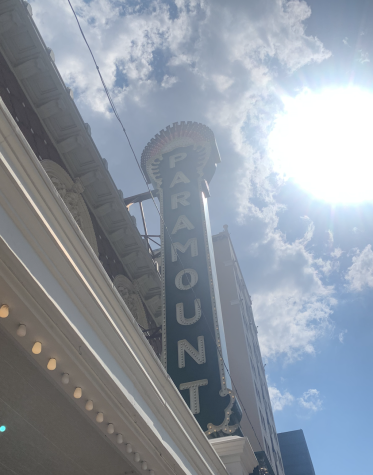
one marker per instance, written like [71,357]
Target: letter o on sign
[190,279]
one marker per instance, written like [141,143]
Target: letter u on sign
[188,321]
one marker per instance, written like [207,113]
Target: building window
[269,424]
[257,392]
[280,459]
[248,343]
[252,366]
[262,420]
[264,399]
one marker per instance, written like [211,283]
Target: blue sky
[308,264]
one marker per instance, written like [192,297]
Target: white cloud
[168,81]
[224,68]
[363,56]
[326,267]
[278,400]
[337,253]
[341,336]
[360,274]
[330,237]
[311,400]
[291,304]
[204,60]
[308,235]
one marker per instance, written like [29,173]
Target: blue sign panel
[180,161]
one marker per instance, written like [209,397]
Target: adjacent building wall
[244,355]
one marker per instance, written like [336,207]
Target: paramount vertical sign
[180,161]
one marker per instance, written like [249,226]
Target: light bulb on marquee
[21,330]
[4,311]
[78,393]
[36,349]
[52,364]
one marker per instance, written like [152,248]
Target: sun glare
[324,142]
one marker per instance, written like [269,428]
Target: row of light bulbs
[78,393]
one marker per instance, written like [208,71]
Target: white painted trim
[236,453]
[45,238]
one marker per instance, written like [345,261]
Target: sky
[307,262]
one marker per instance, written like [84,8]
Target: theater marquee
[180,162]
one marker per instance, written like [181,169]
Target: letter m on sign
[177,246]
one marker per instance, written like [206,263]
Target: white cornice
[237,454]
[81,309]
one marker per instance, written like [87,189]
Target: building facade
[244,355]
[82,387]
[295,454]
[44,110]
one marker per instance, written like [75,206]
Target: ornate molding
[70,192]
[132,299]
[67,138]
[185,134]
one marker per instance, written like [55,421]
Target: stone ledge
[236,453]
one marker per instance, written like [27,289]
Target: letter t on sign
[194,393]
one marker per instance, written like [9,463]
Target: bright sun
[324,142]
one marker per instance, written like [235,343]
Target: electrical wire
[112,104]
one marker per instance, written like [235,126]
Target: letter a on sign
[182,223]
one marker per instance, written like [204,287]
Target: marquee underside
[45,434]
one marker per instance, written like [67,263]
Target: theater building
[101,369]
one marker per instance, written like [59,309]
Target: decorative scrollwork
[70,191]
